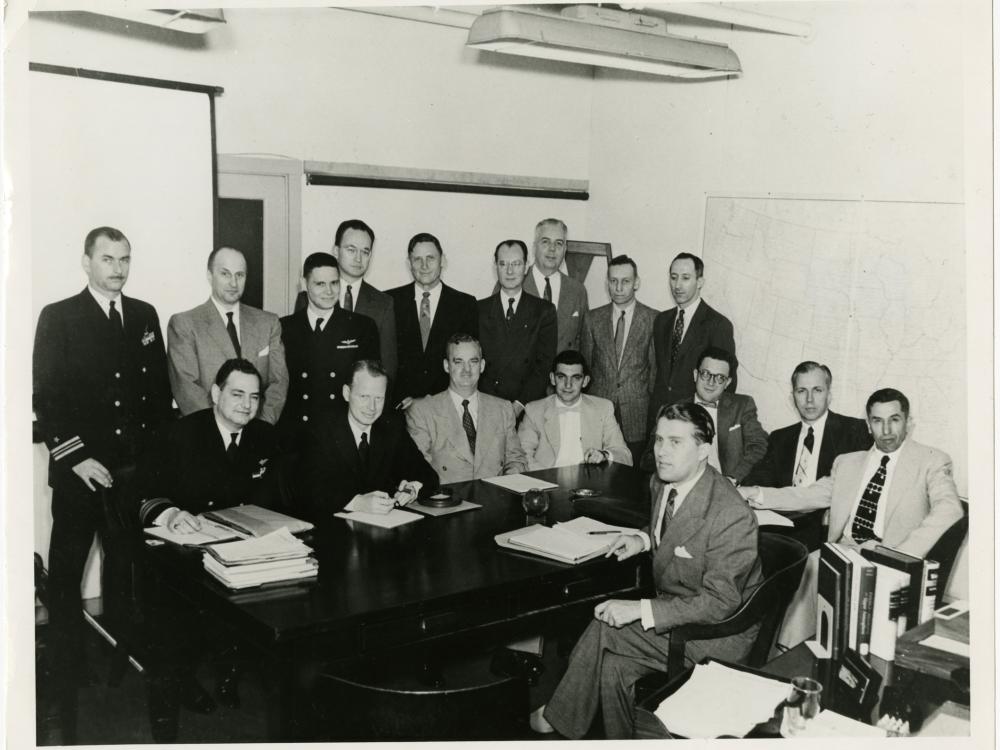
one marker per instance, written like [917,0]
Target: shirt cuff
[647,614]
[161,520]
[646,543]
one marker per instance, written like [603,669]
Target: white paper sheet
[770,518]
[946,644]
[390,520]
[832,724]
[521,483]
[210,532]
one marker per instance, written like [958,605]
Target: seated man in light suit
[464,433]
[570,427]
[899,493]
[740,441]
[201,339]
[703,541]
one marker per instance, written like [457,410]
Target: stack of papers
[278,556]
[718,700]
[585,526]
[238,522]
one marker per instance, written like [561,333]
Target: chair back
[945,551]
[782,560]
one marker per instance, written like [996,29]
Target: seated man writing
[571,427]
[898,493]
[703,540]
[357,460]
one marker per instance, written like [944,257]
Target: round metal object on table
[585,492]
[443,498]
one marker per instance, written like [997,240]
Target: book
[555,543]
[888,622]
[913,567]
[928,590]
[863,595]
[253,520]
[834,600]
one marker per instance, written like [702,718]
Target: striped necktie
[863,527]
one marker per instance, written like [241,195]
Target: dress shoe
[538,723]
[227,687]
[193,696]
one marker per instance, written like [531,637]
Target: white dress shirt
[105,302]
[871,466]
[683,488]
[818,426]
[504,296]
[570,435]
[713,412]
[313,315]
[435,297]
[473,400]
[689,312]
[223,310]
[555,281]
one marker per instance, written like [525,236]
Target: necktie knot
[885,461]
[427,295]
[319,325]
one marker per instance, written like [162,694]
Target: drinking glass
[801,706]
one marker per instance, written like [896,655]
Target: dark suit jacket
[627,385]
[420,370]
[377,305]
[188,468]
[330,471]
[319,364]
[518,356]
[707,328]
[841,435]
[91,401]
[741,439]
[707,562]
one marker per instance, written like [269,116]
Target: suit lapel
[529,284]
[902,477]
[849,481]
[691,515]
[485,437]
[635,334]
[551,420]
[565,307]
[692,332]
[213,324]
[378,448]
[441,315]
[725,415]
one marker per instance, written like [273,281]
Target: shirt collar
[691,309]
[683,488]
[540,278]
[627,309]
[357,428]
[505,295]
[225,432]
[224,309]
[104,302]
[435,291]
[568,407]
[818,425]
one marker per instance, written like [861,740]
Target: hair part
[570,357]
[699,264]
[237,364]
[355,224]
[514,243]
[887,396]
[114,235]
[423,237]
[809,366]
[318,260]
[717,352]
[692,413]
[372,366]
[624,260]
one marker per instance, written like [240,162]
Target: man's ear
[346,392]
[637,284]
[216,392]
[586,382]
[704,449]
[552,379]
[444,364]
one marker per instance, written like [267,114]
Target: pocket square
[682,552]
[576,314]
[735,427]
[264,352]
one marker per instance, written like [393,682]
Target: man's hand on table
[618,612]
[375,501]
[625,546]
[179,521]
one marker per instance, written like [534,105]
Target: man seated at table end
[703,539]
[571,427]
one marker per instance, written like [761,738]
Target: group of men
[364,400]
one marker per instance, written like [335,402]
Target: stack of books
[275,557]
[867,598]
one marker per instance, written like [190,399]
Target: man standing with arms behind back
[682,333]
[546,280]
[201,339]
[617,340]
[100,390]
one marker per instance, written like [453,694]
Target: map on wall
[873,289]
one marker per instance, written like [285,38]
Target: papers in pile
[277,556]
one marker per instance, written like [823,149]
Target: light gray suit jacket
[628,385]
[540,438]
[435,426]
[198,345]
[922,501]
[571,312]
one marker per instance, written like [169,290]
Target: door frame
[287,211]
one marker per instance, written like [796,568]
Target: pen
[610,531]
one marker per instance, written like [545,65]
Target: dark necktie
[116,320]
[676,336]
[319,325]
[547,294]
[363,451]
[349,299]
[233,449]
[468,426]
[231,330]
[863,528]
[667,514]
[805,458]
[510,309]
[425,318]
[620,337]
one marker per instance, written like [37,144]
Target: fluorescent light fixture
[627,41]
[199,21]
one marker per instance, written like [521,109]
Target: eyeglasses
[712,377]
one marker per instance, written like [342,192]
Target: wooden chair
[782,561]
[945,551]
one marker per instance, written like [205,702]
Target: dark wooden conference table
[417,585]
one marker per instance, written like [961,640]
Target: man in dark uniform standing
[100,389]
[322,342]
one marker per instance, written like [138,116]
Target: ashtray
[585,492]
[441,499]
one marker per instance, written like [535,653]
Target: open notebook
[571,542]
[238,522]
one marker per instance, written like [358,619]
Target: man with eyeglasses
[570,427]
[682,332]
[740,441]
[517,332]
